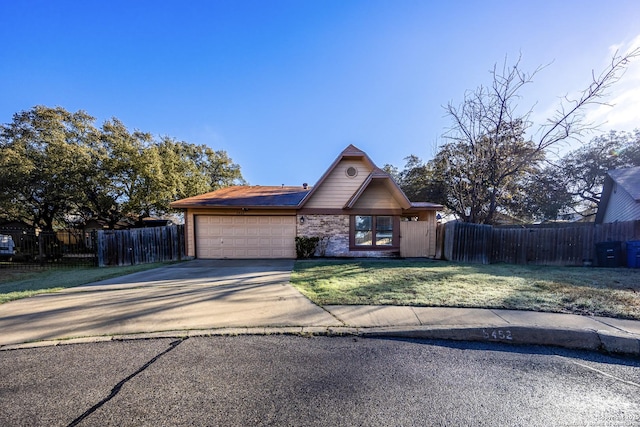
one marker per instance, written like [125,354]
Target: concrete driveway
[199,294]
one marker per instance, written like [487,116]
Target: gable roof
[379,175]
[247,196]
[353,152]
[272,197]
[627,178]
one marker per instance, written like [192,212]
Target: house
[357,207]
[620,200]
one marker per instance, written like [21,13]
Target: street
[328,381]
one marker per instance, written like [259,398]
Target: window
[364,230]
[351,172]
[384,231]
[373,231]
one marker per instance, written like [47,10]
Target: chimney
[305,185]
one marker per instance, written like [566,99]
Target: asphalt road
[300,381]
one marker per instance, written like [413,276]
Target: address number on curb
[497,334]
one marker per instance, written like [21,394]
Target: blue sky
[285,85]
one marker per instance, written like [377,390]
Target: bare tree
[488,154]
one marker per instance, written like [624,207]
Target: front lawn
[23,283]
[578,290]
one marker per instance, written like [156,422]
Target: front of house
[355,207]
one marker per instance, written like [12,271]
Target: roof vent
[305,185]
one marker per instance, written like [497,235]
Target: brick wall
[336,228]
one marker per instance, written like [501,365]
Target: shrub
[306,246]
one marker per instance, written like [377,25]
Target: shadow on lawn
[577,290]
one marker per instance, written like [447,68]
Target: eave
[350,153]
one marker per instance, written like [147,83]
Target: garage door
[245,236]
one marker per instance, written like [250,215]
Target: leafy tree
[57,168]
[392,171]
[190,169]
[486,163]
[45,159]
[540,198]
[576,180]
[118,161]
[146,175]
[418,180]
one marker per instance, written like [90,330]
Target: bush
[306,246]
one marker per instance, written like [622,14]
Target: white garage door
[245,236]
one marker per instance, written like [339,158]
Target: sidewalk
[463,324]
[229,297]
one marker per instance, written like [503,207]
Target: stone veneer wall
[336,228]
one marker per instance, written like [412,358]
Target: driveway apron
[199,294]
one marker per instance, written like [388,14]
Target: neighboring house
[152,222]
[355,206]
[620,200]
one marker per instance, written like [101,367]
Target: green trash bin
[609,254]
[633,254]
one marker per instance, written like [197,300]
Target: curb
[577,339]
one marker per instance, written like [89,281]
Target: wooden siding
[189,238]
[336,190]
[418,239]
[621,206]
[376,196]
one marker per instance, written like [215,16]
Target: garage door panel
[252,231]
[245,236]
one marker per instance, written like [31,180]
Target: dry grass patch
[587,291]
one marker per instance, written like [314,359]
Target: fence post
[99,248]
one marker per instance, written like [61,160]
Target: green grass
[578,290]
[16,284]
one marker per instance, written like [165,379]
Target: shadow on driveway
[199,294]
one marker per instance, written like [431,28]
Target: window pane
[384,223]
[372,230]
[363,238]
[363,223]
[384,238]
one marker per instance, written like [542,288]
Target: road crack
[115,390]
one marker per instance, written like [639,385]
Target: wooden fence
[140,245]
[467,242]
[417,239]
[541,245]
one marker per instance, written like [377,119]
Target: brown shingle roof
[246,196]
